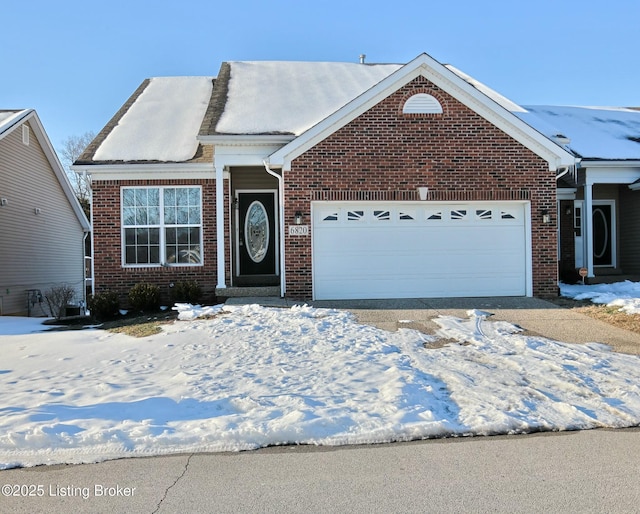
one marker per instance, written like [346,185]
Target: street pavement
[591,471]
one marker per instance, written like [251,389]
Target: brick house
[325,181]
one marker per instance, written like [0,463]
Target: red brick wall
[109,272]
[457,154]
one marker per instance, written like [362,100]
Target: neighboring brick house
[325,181]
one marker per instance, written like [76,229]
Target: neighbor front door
[603,233]
[603,230]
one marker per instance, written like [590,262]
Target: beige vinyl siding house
[42,227]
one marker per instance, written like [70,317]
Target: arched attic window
[422,103]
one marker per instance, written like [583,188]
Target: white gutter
[565,170]
[283,287]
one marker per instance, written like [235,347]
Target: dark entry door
[602,235]
[257,237]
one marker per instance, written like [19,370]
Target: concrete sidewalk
[535,316]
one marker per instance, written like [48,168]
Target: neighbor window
[162,226]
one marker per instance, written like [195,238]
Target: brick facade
[457,154]
[383,154]
[109,272]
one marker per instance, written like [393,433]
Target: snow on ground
[625,295]
[251,376]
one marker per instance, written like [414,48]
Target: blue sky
[77,62]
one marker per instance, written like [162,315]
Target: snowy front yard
[252,376]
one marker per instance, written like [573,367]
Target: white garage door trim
[353,241]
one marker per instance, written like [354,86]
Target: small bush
[187,291]
[57,298]
[104,306]
[144,297]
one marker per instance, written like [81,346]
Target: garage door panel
[366,251]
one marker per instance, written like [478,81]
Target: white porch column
[220,229]
[587,216]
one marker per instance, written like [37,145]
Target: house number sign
[298,230]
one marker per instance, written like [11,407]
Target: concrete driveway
[535,316]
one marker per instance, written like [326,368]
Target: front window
[162,226]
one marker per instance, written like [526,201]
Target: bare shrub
[57,298]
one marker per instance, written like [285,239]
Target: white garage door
[418,250]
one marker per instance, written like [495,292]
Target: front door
[603,229]
[603,234]
[256,238]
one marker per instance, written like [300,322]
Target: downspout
[87,180]
[84,272]
[283,287]
[220,232]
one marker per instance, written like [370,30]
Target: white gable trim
[448,81]
[7,126]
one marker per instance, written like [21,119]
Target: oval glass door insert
[256,231]
[601,233]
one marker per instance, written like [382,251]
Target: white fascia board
[246,139]
[146,171]
[13,121]
[585,163]
[248,153]
[566,193]
[449,82]
[611,174]
[57,168]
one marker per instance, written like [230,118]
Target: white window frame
[162,229]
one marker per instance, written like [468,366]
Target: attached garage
[420,249]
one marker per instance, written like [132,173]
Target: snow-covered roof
[162,121]
[277,97]
[486,90]
[9,117]
[606,133]
[162,124]
[609,133]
